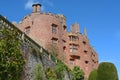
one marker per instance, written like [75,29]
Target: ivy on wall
[11,59]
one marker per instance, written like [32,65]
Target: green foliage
[93,75]
[50,74]
[107,71]
[77,73]
[59,70]
[38,72]
[11,60]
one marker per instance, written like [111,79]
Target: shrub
[93,75]
[107,71]
[77,73]
[38,72]
[50,74]
[59,70]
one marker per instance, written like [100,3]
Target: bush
[107,71]
[93,75]
[59,70]
[77,73]
[50,74]
[38,72]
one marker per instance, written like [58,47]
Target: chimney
[36,8]
[75,28]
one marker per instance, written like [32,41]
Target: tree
[11,59]
[60,70]
[107,71]
[38,72]
[93,75]
[77,73]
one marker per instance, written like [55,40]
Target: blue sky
[100,17]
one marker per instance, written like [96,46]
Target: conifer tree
[93,75]
[107,71]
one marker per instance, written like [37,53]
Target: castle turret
[85,32]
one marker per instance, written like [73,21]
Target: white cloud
[29,4]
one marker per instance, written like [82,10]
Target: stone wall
[35,54]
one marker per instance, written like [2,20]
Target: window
[63,41]
[54,28]
[72,62]
[85,51]
[84,42]
[64,27]
[86,62]
[64,49]
[73,48]
[27,30]
[73,38]
[54,40]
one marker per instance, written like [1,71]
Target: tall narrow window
[27,30]
[64,27]
[54,28]
[86,62]
[64,49]
[71,48]
[72,62]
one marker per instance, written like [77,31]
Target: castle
[50,31]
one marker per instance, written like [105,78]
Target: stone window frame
[54,29]
[54,40]
[73,48]
[27,29]
[72,62]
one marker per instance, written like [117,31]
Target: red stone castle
[50,30]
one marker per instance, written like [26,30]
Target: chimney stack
[75,28]
[36,8]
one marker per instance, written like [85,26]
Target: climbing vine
[11,59]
